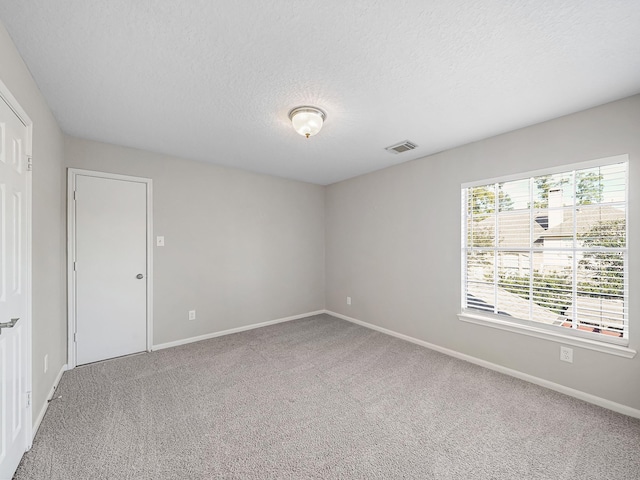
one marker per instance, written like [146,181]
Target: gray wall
[241,248]
[49,301]
[393,245]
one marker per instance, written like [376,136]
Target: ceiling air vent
[401,147]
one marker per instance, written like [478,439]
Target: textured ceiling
[214,80]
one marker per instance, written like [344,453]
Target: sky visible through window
[611,179]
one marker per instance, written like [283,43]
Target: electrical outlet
[348,300]
[192,314]
[566,354]
[46,363]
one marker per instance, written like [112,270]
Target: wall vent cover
[401,147]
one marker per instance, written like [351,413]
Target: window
[549,249]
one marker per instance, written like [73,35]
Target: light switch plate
[160,241]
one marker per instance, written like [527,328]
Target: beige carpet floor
[320,398]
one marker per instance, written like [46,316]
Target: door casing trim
[72,173]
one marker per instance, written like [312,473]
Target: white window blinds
[550,249]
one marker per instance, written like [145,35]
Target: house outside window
[549,249]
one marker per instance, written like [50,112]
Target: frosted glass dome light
[306,120]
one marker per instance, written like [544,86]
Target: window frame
[593,341]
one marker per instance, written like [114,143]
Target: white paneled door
[110,267]
[13,291]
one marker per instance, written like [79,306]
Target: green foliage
[607,268]
[610,287]
[543,185]
[482,236]
[589,188]
[504,200]
[606,233]
[483,201]
[551,291]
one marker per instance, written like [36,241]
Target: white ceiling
[214,80]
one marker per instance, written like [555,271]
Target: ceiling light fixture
[307,120]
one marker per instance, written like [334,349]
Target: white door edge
[71,254]
[8,97]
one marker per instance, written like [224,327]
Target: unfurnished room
[319,240]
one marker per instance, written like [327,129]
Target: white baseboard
[43,410]
[587,397]
[207,336]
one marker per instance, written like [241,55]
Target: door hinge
[75,266]
[28,399]
[29,164]
[75,337]
[75,195]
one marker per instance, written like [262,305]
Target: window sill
[603,347]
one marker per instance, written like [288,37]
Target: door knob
[139,276]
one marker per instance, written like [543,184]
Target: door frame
[72,174]
[10,100]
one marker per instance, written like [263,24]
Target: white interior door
[111,267]
[13,291]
